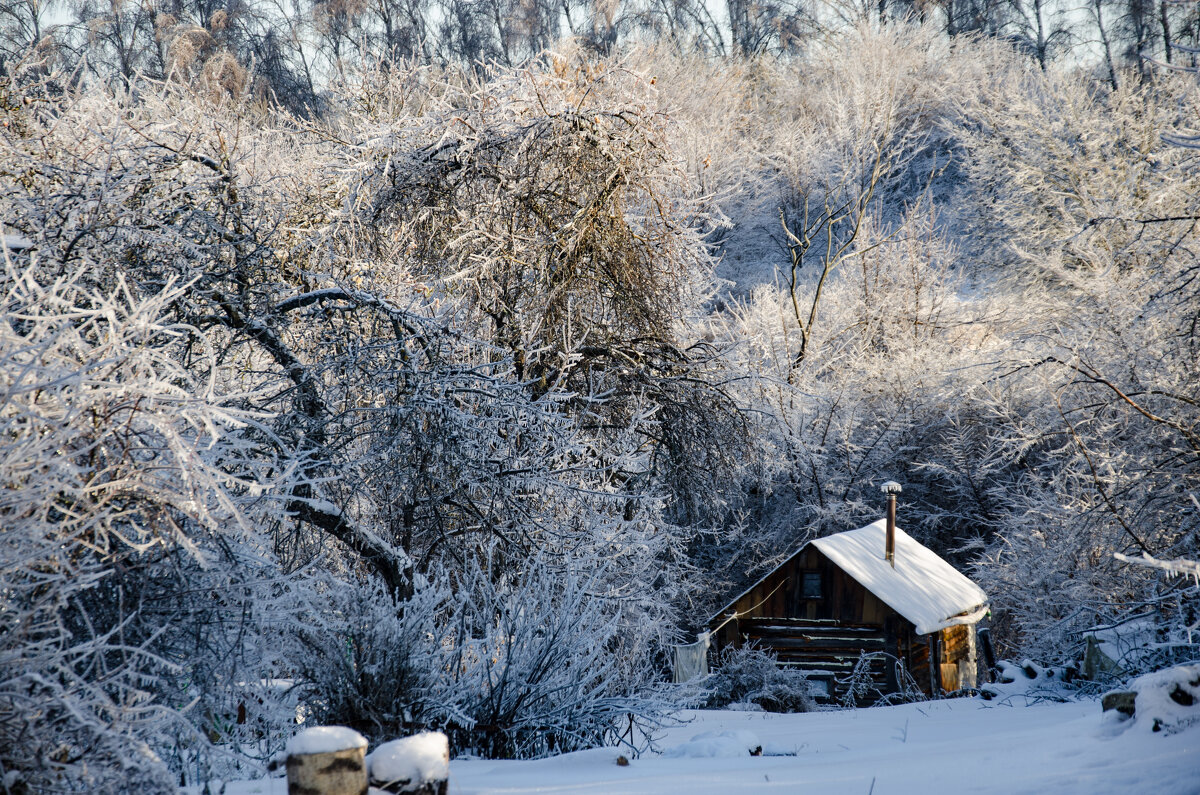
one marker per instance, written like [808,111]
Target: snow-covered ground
[959,746]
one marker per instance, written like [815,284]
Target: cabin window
[811,585]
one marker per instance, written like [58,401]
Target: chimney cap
[891,487]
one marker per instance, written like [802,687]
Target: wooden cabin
[839,596]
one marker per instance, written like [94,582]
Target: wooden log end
[317,766]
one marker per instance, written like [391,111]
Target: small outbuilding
[874,591]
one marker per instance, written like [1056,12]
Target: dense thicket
[455,404]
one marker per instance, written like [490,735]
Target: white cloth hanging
[691,660]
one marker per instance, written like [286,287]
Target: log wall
[825,635]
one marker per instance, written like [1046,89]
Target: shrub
[746,675]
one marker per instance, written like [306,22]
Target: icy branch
[1181,567]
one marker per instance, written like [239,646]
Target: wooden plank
[828,654]
[838,666]
[892,646]
[949,672]
[801,634]
[786,644]
[956,643]
[829,639]
[839,644]
[818,651]
[804,622]
[760,595]
[772,627]
[746,606]
[847,664]
[838,589]
[874,610]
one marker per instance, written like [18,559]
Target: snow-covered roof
[922,587]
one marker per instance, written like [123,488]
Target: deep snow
[959,746]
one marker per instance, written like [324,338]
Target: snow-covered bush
[123,491]
[507,665]
[400,427]
[746,675]
[367,662]
[1021,357]
[860,685]
[467,328]
[1100,426]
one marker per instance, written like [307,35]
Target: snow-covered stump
[327,760]
[1165,701]
[417,765]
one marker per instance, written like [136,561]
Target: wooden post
[327,760]
[968,675]
[989,654]
[891,645]
[935,665]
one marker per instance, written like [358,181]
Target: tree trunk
[1166,29]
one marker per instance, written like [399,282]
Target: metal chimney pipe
[891,489]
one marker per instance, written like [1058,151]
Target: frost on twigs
[549,200]
[445,430]
[745,675]
[1181,567]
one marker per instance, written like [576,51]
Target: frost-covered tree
[1099,215]
[131,573]
[419,408]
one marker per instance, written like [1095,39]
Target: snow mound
[324,740]
[1028,680]
[718,745]
[411,762]
[1168,701]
